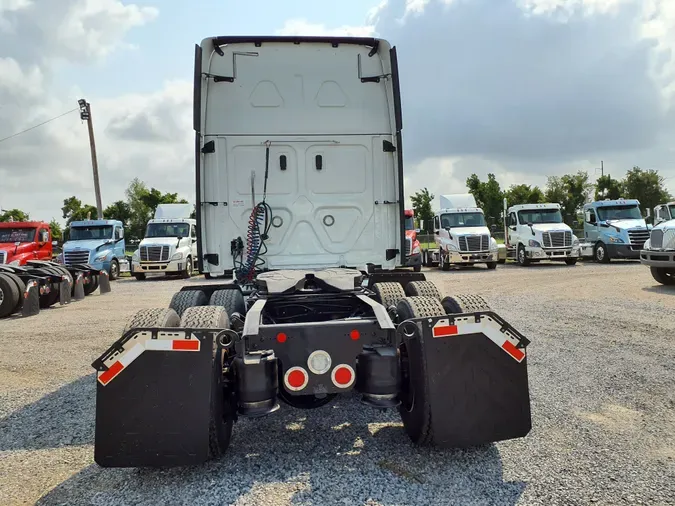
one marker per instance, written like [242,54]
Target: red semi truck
[22,241]
[412,245]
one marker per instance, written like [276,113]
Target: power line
[39,125]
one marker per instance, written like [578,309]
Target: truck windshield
[672,211]
[630,212]
[167,230]
[452,220]
[91,233]
[409,223]
[539,216]
[17,235]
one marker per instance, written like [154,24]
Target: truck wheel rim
[2,296]
[113,269]
[521,255]
[600,253]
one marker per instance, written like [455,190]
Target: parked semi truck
[658,252]
[98,244]
[613,229]
[412,245]
[536,232]
[303,199]
[461,235]
[170,243]
[21,241]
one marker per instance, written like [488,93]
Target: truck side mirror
[55,243]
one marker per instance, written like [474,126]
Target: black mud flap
[64,292]
[103,282]
[153,396]
[477,380]
[31,299]
[79,286]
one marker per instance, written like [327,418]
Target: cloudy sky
[522,88]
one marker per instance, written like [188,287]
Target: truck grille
[557,239]
[3,257]
[408,245]
[155,254]
[473,243]
[638,237]
[76,257]
[657,239]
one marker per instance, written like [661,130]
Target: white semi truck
[461,235]
[170,243]
[536,232]
[658,252]
[299,190]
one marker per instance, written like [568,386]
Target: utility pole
[85,115]
[602,168]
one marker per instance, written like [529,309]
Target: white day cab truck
[299,191]
[536,232]
[461,235]
[170,244]
[658,252]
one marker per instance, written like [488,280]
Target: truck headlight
[15,263]
[177,255]
[533,244]
[493,244]
[59,259]
[451,247]
[101,256]
[416,250]
[136,256]
[647,244]
[615,240]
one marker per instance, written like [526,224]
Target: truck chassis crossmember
[169,393]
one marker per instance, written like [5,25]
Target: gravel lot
[602,382]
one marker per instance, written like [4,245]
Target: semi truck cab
[169,245]
[658,252]
[536,232]
[613,229]
[412,245]
[21,241]
[99,243]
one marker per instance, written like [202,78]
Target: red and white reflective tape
[486,326]
[131,354]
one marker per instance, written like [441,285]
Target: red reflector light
[191,344]
[354,334]
[281,337]
[343,376]
[296,378]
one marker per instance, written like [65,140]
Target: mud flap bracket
[153,392]
[477,379]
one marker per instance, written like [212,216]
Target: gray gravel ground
[602,382]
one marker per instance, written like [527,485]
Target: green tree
[607,188]
[57,231]
[571,191]
[421,202]
[488,195]
[645,185]
[15,214]
[524,194]
[119,210]
[73,210]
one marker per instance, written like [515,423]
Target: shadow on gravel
[339,454]
[660,289]
[62,418]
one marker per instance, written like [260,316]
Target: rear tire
[91,287]
[231,300]
[571,261]
[187,298]
[222,409]
[662,276]
[153,317]
[20,285]
[600,253]
[491,265]
[9,296]
[415,409]
[458,304]
[417,268]
[423,289]
[140,277]
[389,293]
